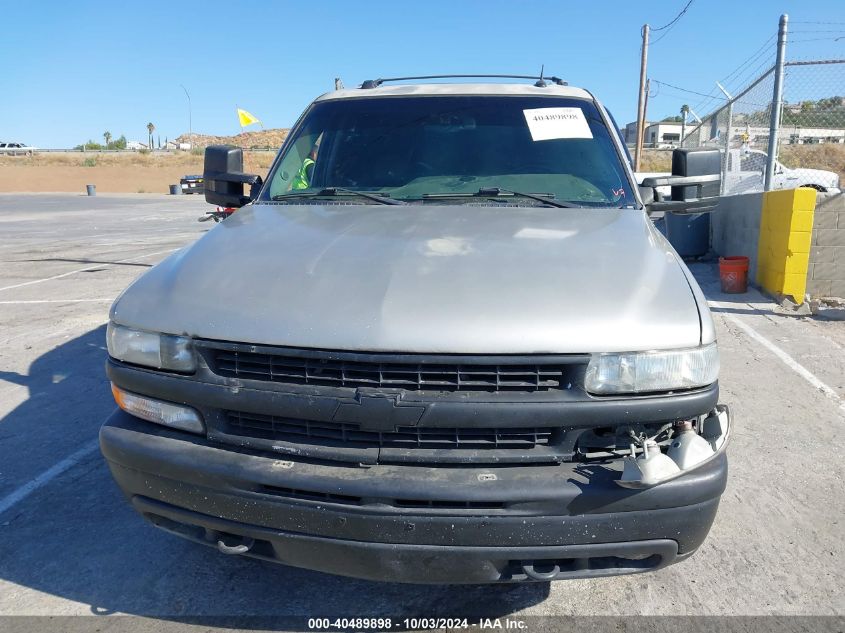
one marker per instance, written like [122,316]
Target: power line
[818,39]
[754,57]
[663,83]
[671,24]
[747,63]
[692,92]
[754,73]
[677,17]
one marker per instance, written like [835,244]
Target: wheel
[816,187]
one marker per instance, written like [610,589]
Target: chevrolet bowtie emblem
[378,412]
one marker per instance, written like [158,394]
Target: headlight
[643,372]
[162,351]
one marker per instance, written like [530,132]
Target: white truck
[746,172]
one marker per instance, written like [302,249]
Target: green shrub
[144,151]
[197,151]
[89,162]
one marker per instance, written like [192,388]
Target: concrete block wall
[786,236]
[826,275]
[735,227]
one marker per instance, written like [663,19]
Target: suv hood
[435,278]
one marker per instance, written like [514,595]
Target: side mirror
[695,182]
[648,194]
[224,178]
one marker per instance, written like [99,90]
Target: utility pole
[190,125]
[638,149]
[777,103]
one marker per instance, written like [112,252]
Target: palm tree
[150,129]
[684,114]
[107,138]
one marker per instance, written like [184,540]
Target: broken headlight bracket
[687,450]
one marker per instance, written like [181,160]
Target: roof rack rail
[369,84]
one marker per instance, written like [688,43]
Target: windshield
[452,148]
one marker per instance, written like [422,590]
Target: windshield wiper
[334,191]
[492,192]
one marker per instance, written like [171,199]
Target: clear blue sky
[73,70]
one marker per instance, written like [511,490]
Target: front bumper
[408,523]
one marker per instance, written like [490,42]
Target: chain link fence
[809,144]
[811,138]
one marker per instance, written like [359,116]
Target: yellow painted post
[786,233]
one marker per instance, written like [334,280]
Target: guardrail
[136,151]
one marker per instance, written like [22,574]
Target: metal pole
[777,103]
[728,135]
[190,124]
[638,149]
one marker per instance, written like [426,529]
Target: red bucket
[733,273]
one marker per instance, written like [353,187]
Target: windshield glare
[451,147]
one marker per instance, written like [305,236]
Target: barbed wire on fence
[810,141]
[808,148]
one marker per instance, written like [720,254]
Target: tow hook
[532,572]
[243,547]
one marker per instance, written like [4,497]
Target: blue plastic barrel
[689,234]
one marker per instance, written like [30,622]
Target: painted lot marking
[47,476]
[790,362]
[21,302]
[82,270]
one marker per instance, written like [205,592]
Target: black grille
[412,376]
[308,431]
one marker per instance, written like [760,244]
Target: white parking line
[790,362]
[82,270]
[55,301]
[47,476]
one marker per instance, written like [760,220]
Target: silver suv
[512,377]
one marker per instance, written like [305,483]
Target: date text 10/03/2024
[385,624]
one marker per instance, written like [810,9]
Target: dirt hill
[262,138]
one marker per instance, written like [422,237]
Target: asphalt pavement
[70,545]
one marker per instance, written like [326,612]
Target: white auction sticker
[550,123]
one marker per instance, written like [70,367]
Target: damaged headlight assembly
[691,442]
[651,372]
[150,349]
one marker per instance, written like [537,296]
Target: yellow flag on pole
[246,118]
